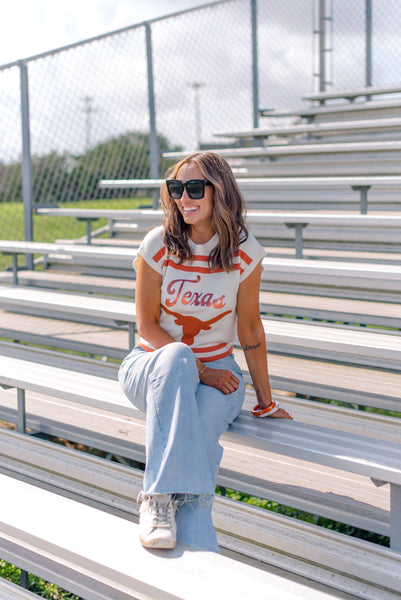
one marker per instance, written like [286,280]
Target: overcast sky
[29,27]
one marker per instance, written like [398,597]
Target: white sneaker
[157,527]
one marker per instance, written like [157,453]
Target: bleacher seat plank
[329,166]
[363,347]
[332,278]
[60,333]
[318,129]
[11,591]
[347,310]
[99,555]
[345,383]
[75,282]
[372,108]
[352,93]
[319,149]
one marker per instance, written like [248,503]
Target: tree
[124,157]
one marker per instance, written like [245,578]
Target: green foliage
[11,182]
[306,517]
[38,586]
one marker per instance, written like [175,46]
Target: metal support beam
[363,201]
[88,227]
[15,269]
[24,579]
[395,520]
[131,335]
[21,417]
[27,179]
[298,229]
[89,231]
[153,145]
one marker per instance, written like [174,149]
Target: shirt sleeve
[152,249]
[251,252]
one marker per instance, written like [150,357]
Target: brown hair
[228,212]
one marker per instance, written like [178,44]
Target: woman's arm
[147,301]
[251,335]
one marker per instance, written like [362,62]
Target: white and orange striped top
[198,305]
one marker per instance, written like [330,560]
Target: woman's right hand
[221,379]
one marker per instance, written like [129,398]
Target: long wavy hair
[228,212]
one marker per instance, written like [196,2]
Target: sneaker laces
[161,515]
[162,510]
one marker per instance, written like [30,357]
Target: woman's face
[197,213]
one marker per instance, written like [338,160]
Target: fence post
[27,180]
[153,145]
[322,46]
[368,34]
[255,76]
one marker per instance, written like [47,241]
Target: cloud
[30,27]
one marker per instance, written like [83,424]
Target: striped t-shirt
[198,305]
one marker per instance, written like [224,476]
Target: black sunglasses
[195,188]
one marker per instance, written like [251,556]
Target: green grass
[49,229]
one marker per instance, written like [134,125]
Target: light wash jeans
[184,421]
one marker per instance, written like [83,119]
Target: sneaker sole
[157,543]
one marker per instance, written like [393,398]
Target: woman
[197,289]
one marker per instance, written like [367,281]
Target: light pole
[88,109]
[196,87]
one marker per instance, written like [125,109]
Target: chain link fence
[361,28]
[90,109]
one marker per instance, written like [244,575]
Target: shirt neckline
[209,245]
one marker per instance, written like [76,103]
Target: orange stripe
[210,348]
[147,348]
[195,350]
[159,254]
[195,269]
[245,257]
[201,257]
[212,358]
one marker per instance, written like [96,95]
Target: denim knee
[178,355]
[176,362]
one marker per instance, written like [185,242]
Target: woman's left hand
[221,379]
[281,413]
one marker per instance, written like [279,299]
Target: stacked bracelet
[201,371]
[265,412]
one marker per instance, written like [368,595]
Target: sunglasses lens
[175,189]
[195,189]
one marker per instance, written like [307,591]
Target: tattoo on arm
[248,347]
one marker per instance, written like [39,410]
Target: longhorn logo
[191,326]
